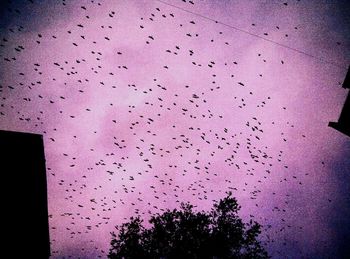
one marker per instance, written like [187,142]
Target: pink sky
[124,109]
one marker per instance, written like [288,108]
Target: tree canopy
[185,233]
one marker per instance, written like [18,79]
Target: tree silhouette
[185,233]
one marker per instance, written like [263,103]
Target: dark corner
[343,124]
[25,194]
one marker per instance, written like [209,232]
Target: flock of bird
[144,106]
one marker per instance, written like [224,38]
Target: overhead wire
[254,35]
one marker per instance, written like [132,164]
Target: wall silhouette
[26,228]
[343,124]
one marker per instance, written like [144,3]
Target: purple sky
[143,105]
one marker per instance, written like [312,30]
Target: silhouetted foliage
[186,233]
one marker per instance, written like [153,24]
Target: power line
[254,35]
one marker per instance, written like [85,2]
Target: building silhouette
[343,124]
[26,228]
